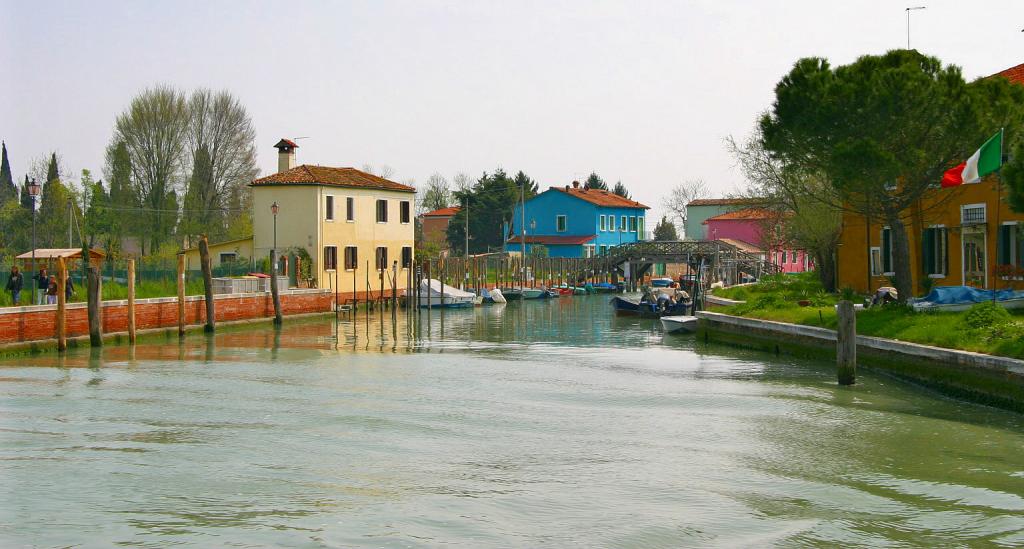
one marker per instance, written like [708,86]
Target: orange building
[965,235]
[958,236]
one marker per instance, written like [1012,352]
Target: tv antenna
[908,21]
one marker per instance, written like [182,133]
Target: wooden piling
[274,294]
[181,295]
[62,280]
[93,289]
[846,343]
[204,260]
[131,301]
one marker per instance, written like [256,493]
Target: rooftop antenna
[908,21]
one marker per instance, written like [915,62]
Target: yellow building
[963,235]
[354,225]
[220,253]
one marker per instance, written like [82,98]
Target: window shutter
[1003,245]
[886,250]
[928,251]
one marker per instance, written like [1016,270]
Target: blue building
[577,222]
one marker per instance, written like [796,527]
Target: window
[382,258]
[406,257]
[632,224]
[887,269]
[382,211]
[611,222]
[783,262]
[403,211]
[623,226]
[876,261]
[228,257]
[329,208]
[640,226]
[604,249]
[560,223]
[602,223]
[350,208]
[935,248]
[972,214]
[351,258]
[330,258]
[792,256]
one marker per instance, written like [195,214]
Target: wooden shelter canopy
[66,253]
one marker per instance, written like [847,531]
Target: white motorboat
[431,295]
[681,323]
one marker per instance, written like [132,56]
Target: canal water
[538,424]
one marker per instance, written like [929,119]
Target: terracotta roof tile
[720,202]
[1013,74]
[443,212]
[553,239]
[600,197]
[338,177]
[746,213]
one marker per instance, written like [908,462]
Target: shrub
[986,315]
[847,294]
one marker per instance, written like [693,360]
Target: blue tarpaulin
[951,295]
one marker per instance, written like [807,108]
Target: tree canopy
[491,202]
[665,230]
[879,132]
[594,181]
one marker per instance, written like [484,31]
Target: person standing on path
[51,291]
[69,290]
[42,283]
[14,284]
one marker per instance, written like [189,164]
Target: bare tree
[802,205]
[154,129]
[463,182]
[437,194]
[386,171]
[368,168]
[222,152]
[680,197]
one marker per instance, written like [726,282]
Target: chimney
[285,154]
[575,184]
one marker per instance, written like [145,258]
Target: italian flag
[984,161]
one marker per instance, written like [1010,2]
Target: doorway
[974,258]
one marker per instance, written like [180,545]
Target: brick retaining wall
[39,322]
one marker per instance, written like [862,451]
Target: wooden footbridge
[720,261]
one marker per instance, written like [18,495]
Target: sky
[642,92]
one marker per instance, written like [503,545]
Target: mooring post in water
[274,293]
[93,293]
[131,301]
[62,281]
[204,259]
[181,295]
[846,343]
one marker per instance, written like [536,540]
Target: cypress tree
[620,190]
[26,199]
[8,190]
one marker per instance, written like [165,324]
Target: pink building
[744,228]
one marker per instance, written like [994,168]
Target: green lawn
[986,328]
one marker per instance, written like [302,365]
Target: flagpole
[999,228]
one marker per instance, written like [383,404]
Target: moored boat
[434,294]
[680,323]
[645,309]
[961,298]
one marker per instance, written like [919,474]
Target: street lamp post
[274,208]
[33,191]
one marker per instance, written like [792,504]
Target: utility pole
[908,22]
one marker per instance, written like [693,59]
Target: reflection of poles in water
[277,341]
[208,356]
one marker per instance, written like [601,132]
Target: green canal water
[539,424]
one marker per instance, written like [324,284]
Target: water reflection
[548,423]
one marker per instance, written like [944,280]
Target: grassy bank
[143,290]
[986,328]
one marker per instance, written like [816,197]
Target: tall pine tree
[26,198]
[620,190]
[594,181]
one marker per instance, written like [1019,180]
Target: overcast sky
[642,92]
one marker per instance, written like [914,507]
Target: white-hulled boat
[680,323]
[451,298]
